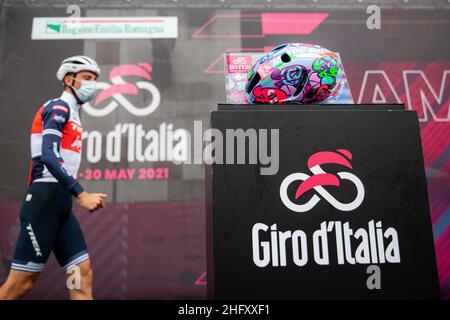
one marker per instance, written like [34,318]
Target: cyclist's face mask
[86,91]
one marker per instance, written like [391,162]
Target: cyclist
[46,218]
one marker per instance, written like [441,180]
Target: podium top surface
[311,107]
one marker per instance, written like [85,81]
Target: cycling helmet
[293,73]
[76,64]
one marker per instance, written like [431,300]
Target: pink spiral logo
[319,179]
[118,87]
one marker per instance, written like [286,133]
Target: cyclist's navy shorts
[48,225]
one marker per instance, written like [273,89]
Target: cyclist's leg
[38,225]
[71,252]
[81,289]
[18,284]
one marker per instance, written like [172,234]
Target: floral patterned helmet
[293,73]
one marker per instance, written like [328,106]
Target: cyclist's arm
[53,123]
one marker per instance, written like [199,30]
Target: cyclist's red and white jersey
[56,139]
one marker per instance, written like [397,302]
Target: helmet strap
[73,91]
[75,95]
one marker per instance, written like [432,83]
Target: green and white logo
[104,28]
[53,27]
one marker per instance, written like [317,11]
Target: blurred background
[150,240]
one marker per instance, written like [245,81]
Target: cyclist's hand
[91,201]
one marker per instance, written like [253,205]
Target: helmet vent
[285,58]
[279,47]
[253,82]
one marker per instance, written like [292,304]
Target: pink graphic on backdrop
[125,88]
[139,70]
[271,24]
[424,87]
[291,23]
[201,280]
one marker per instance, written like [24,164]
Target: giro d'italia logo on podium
[116,90]
[339,219]
[319,179]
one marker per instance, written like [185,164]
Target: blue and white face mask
[86,91]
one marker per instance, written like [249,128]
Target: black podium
[336,206]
